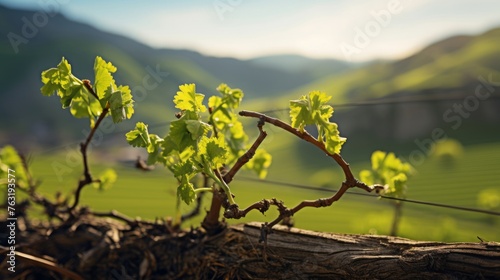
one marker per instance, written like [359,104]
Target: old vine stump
[97,248]
[307,254]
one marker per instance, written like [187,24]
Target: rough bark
[311,255]
[97,248]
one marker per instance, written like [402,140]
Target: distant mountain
[450,66]
[454,62]
[313,68]
[454,67]
[44,46]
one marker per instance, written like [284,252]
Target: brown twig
[88,86]
[115,215]
[350,180]
[41,262]
[219,198]
[31,183]
[228,177]
[87,178]
[51,209]
[304,136]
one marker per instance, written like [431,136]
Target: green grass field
[152,194]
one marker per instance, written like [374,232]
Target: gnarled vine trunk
[96,248]
[305,254]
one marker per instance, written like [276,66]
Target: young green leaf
[10,159]
[184,171]
[71,91]
[367,177]
[319,106]
[260,163]
[103,78]
[139,137]
[57,80]
[127,101]
[197,128]
[188,150]
[154,149]
[185,191]
[213,150]
[187,99]
[231,97]
[86,106]
[389,171]
[106,179]
[397,185]
[300,113]
[116,107]
[180,136]
[332,139]
[310,109]
[313,109]
[86,102]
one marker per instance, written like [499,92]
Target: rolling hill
[451,66]
[28,112]
[455,62]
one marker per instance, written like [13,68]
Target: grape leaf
[184,168]
[213,150]
[85,105]
[300,113]
[332,139]
[397,185]
[57,79]
[310,109]
[120,103]
[81,100]
[389,162]
[154,149]
[218,108]
[106,179]
[231,97]
[377,159]
[260,163]
[197,128]
[168,146]
[221,115]
[313,109]
[184,171]
[139,137]
[319,107]
[226,121]
[10,159]
[155,143]
[73,92]
[236,136]
[187,99]
[185,190]
[389,171]
[180,135]
[103,78]
[127,101]
[116,107]
[367,177]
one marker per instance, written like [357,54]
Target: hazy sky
[353,30]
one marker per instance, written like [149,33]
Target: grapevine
[208,139]
[95,102]
[193,146]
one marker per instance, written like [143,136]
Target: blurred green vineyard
[152,195]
